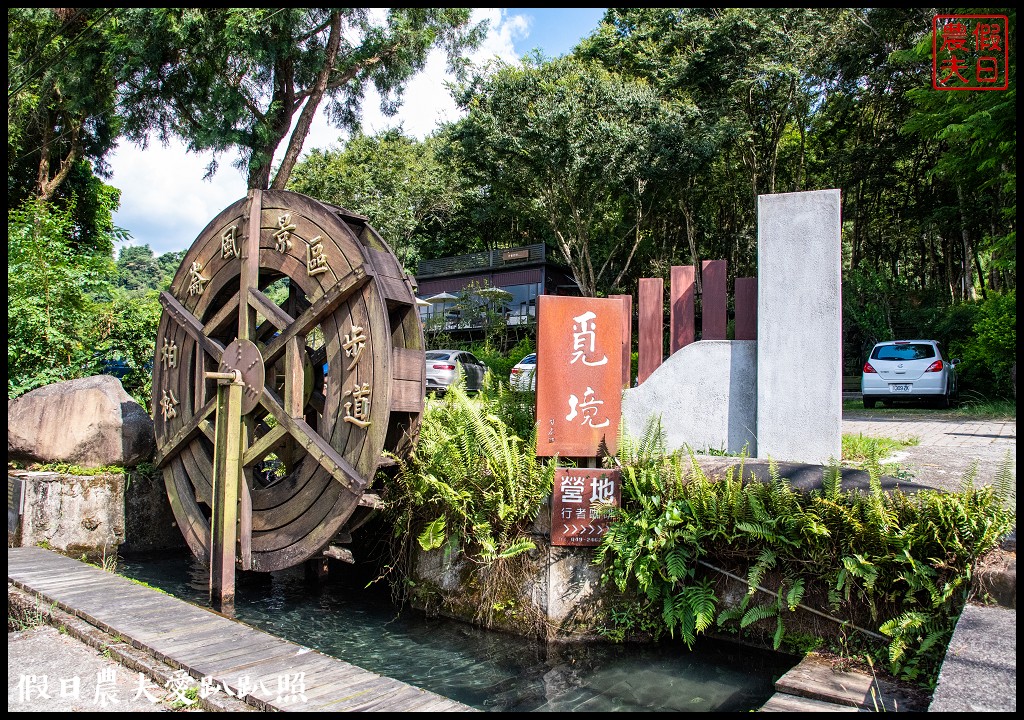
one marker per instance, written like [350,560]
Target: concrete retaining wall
[705,395]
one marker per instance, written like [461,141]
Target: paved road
[948,447]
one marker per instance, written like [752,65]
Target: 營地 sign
[577,500]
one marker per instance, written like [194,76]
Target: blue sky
[556,30]
[165,203]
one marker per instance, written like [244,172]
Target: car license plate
[899,388]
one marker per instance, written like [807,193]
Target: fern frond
[780,632]
[795,594]
[433,536]
[758,612]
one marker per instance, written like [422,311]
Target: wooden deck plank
[207,644]
[328,683]
[781,702]
[405,699]
[363,694]
[813,677]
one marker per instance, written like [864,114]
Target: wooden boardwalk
[266,672]
[814,686]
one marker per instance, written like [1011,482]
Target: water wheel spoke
[217,323]
[316,401]
[271,311]
[317,447]
[263,446]
[323,306]
[319,356]
[185,434]
[191,325]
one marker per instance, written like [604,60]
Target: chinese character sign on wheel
[578,500]
[579,375]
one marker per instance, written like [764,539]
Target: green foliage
[989,351]
[236,85]
[406,190]
[471,483]
[127,328]
[906,559]
[864,451]
[52,298]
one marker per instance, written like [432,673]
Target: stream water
[487,670]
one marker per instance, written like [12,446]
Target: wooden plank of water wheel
[279,286]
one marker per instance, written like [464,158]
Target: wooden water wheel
[311,306]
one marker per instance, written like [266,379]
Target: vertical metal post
[227,476]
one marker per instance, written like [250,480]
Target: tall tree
[247,79]
[586,152]
[398,182]
[61,99]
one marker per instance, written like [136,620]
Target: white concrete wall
[799,327]
[705,394]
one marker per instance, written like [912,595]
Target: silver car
[908,370]
[442,366]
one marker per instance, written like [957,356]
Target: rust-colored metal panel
[651,328]
[681,316]
[746,309]
[627,337]
[575,501]
[579,375]
[712,301]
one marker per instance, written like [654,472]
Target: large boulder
[89,422]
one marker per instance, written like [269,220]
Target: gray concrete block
[705,395]
[799,327]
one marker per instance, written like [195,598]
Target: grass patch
[970,407]
[863,451]
[69,469]
[861,448]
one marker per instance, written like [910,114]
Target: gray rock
[89,422]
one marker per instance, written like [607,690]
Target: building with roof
[463,294]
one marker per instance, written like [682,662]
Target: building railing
[439,322]
[486,259]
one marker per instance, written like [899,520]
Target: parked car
[442,366]
[908,370]
[524,374]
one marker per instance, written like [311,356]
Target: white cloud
[166,203]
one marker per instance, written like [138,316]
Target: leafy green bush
[472,485]
[899,562]
[989,350]
[501,363]
[51,298]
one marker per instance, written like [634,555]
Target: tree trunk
[316,94]
[968,248]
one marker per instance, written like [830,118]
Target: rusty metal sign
[579,375]
[576,502]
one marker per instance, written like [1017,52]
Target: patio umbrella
[421,301]
[495,293]
[442,297]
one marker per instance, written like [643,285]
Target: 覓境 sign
[579,375]
[576,505]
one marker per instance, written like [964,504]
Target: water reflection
[486,670]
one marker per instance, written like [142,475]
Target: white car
[524,374]
[442,366]
[908,370]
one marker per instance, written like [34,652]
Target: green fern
[433,536]
[796,594]
[757,613]
[780,633]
